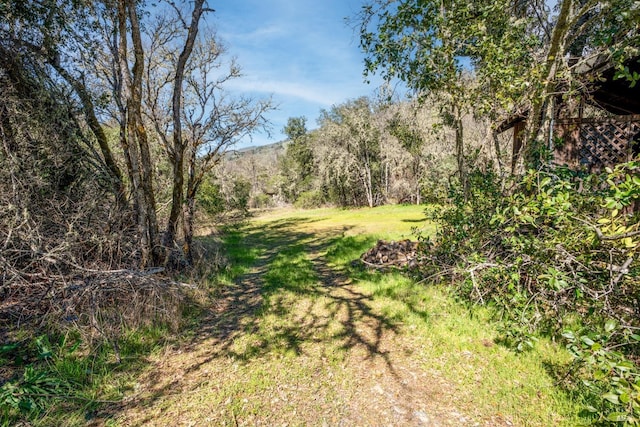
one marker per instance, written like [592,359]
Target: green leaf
[8,347]
[600,374]
[588,341]
[625,365]
[613,398]
[617,417]
[610,325]
[625,398]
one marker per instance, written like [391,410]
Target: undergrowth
[68,373]
[558,258]
[58,379]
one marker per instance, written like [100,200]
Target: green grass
[462,348]
[458,344]
[292,358]
[386,222]
[73,377]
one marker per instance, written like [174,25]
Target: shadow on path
[291,269]
[312,308]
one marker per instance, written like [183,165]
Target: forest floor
[300,335]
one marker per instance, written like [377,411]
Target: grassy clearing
[319,347]
[385,222]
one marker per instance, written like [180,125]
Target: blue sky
[299,51]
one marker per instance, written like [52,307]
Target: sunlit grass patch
[388,222]
[290,270]
[346,249]
[241,256]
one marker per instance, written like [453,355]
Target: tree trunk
[535,126]
[189,218]
[133,136]
[188,229]
[492,138]
[367,183]
[462,173]
[147,201]
[416,176]
[92,120]
[178,143]
[123,87]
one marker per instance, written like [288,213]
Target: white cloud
[258,35]
[308,92]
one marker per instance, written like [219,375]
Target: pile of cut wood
[391,254]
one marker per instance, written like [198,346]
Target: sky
[300,52]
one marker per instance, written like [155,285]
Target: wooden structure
[612,136]
[594,143]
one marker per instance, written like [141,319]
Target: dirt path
[294,342]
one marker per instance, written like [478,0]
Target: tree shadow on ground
[291,300]
[421,220]
[291,269]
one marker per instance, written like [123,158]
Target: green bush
[210,198]
[309,200]
[240,195]
[261,201]
[556,253]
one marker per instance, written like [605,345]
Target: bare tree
[133,135]
[179,144]
[207,118]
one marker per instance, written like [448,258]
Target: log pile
[391,254]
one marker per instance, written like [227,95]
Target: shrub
[309,199]
[262,201]
[210,198]
[555,254]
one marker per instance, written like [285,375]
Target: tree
[134,137]
[351,156]
[44,31]
[423,43]
[179,144]
[516,52]
[298,163]
[412,141]
[583,28]
[210,120]
[161,79]
[59,179]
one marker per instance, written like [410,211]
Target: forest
[124,198]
